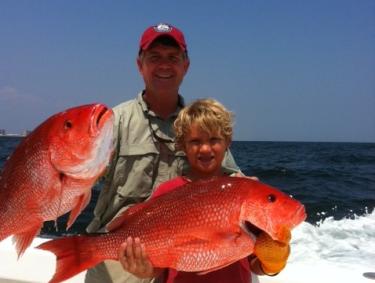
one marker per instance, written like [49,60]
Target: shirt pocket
[135,169]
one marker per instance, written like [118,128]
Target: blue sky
[289,70]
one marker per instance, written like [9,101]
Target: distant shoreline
[12,136]
[253,141]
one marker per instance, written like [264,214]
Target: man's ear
[139,64]
[187,65]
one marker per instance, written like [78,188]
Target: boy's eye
[194,142]
[215,140]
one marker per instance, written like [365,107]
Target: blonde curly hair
[210,115]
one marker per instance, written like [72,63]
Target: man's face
[163,68]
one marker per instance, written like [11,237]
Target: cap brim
[147,45]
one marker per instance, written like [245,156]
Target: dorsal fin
[121,217]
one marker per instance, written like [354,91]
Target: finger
[142,265]
[147,262]
[132,264]
[129,248]
[121,251]
[122,256]
[143,252]
[137,249]
[148,268]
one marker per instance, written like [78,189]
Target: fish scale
[52,171]
[196,227]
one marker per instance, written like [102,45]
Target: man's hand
[133,258]
[272,255]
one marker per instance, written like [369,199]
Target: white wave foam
[332,251]
[343,243]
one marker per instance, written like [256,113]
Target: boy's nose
[205,147]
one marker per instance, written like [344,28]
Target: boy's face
[204,151]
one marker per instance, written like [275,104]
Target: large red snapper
[200,226]
[52,171]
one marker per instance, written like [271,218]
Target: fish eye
[68,125]
[271,198]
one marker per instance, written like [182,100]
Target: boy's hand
[272,255]
[240,174]
[133,259]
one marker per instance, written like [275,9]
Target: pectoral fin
[82,202]
[23,240]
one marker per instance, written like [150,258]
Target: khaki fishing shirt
[145,156]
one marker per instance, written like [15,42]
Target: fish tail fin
[23,240]
[74,254]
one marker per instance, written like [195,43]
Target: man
[145,150]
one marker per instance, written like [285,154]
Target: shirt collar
[146,109]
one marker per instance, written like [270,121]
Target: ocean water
[335,182]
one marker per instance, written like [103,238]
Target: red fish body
[52,171]
[201,226]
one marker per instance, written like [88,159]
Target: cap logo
[163,28]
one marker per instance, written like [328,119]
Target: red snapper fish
[199,227]
[52,171]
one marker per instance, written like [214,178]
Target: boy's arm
[230,167]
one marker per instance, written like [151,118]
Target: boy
[204,132]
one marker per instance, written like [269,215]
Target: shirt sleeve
[229,165]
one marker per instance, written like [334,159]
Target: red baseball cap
[153,32]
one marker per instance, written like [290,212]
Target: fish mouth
[299,216]
[99,150]
[253,231]
[99,116]
[250,229]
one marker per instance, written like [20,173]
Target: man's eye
[174,59]
[154,58]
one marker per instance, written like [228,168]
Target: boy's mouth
[205,159]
